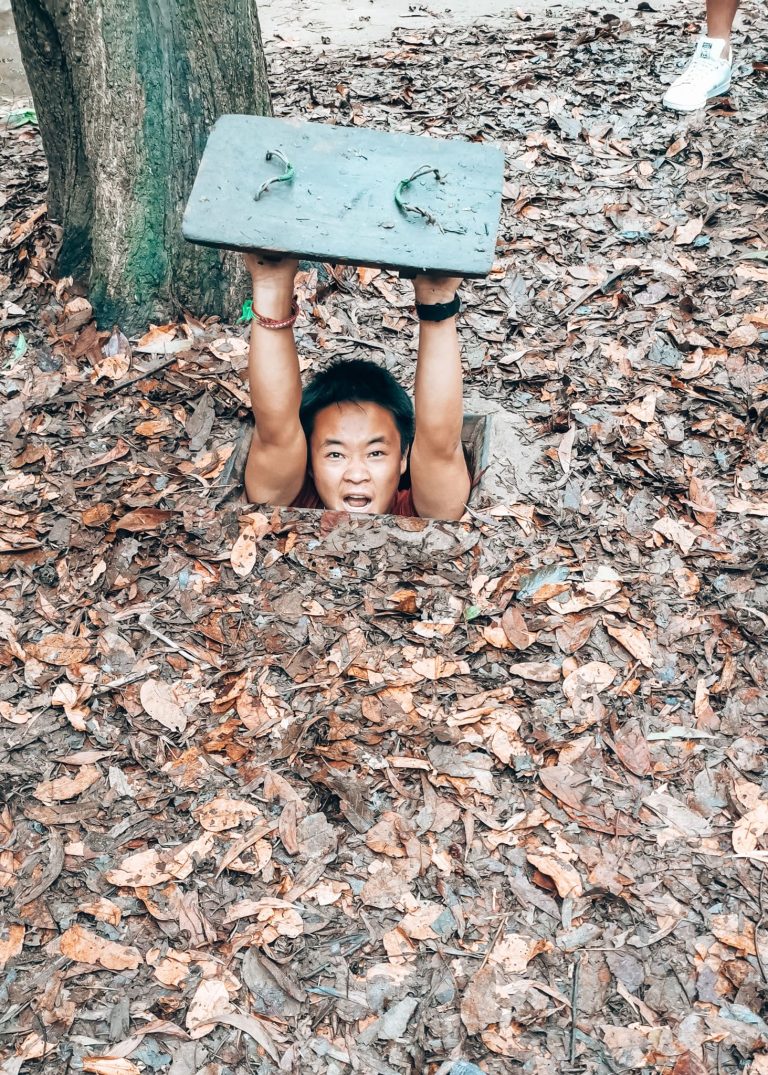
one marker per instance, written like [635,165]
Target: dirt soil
[321,23]
[294,792]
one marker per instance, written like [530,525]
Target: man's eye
[334,455]
[377,452]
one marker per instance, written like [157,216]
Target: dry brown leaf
[632,749]
[495,635]
[287,828]
[148,868]
[565,876]
[85,757]
[153,427]
[110,1065]
[14,714]
[678,821]
[703,502]
[564,782]
[511,833]
[417,923]
[97,514]
[485,999]
[688,582]
[113,367]
[327,892]
[386,837]
[210,1001]
[261,1031]
[156,339]
[102,909]
[366,275]
[590,593]
[749,829]
[253,843]
[83,946]
[686,233]
[280,915]
[223,813]
[676,532]
[634,642]
[734,932]
[565,449]
[405,601]
[588,680]
[575,632]
[11,941]
[32,1047]
[145,869]
[67,787]
[537,671]
[758,317]
[438,668]
[243,554]
[754,272]
[172,971]
[72,699]
[644,410]
[701,363]
[706,717]
[743,336]
[514,952]
[262,909]
[676,147]
[516,629]
[160,701]
[60,649]
[737,506]
[143,520]
[504,1041]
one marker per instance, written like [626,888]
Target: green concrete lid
[344,195]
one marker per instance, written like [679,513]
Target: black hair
[358,381]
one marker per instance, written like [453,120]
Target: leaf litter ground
[298,793]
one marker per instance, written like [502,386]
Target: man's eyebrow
[374,440]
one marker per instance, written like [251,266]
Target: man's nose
[357,470]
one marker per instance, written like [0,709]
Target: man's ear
[404,461]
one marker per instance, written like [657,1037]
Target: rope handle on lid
[287,177]
[409,207]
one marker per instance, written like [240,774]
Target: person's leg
[720,16]
[708,74]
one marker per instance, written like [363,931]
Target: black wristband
[438,311]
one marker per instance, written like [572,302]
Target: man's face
[356,458]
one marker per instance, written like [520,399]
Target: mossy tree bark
[126,92]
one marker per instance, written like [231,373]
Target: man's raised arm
[277,461]
[440,481]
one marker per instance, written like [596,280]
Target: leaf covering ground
[297,793]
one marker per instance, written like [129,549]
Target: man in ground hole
[346,441]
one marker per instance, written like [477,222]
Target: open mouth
[357,502]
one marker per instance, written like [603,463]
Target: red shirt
[401,505]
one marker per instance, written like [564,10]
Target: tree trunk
[126,92]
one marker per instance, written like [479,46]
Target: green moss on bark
[126,92]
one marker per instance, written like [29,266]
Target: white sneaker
[707,75]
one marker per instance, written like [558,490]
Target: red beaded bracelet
[270,322]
